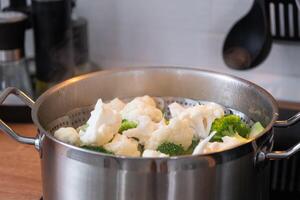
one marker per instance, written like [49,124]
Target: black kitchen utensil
[284,19]
[264,52]
[249,41]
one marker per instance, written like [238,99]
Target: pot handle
[5,128]
[289,122]
[275,155]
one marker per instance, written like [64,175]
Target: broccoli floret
[98,149]
[177,150]
[229,125]
[127,125]
[190,150]
[171,149]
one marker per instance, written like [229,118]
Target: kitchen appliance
[82,61]
[54,48]
[13,64]
[74,173]
[53,39]
[61,40]
[53,42]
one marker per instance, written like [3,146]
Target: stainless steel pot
[72,173]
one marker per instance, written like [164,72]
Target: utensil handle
[275,155]
[5,128]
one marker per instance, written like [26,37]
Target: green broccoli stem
[125,125]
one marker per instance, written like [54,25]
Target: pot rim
[238,148]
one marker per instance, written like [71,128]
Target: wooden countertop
[20,174]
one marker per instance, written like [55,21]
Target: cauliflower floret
[202,117]
[215,109]
[202,144]
[176,109]
[68,135]
[147,100]
[116,104]
[143,131]
[152,154]
[122,145]
[102,125]
[228,143]
[178,131]
[142,106]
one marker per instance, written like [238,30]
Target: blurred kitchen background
[179,33]
[176,32]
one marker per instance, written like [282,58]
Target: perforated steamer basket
[73,173]
[79,116]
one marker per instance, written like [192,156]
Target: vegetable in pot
[145,131]
[256,129]
[229,125]
[68,135]
[177,150]
[82,128]
[190,150]
[127,125]
[148,153]
[171,149]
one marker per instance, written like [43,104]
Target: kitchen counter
[19,167]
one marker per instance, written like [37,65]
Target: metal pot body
[69,174]
[73,173]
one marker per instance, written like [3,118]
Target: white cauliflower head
[178,131]
[124,146]
[228,143]
[68,135]
[152,130]
[143,130]
[202,117]
[103,124]
[116,104]
[202,144]
[148,153]
[175,109]
[141,106]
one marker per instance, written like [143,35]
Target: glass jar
[15,74]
